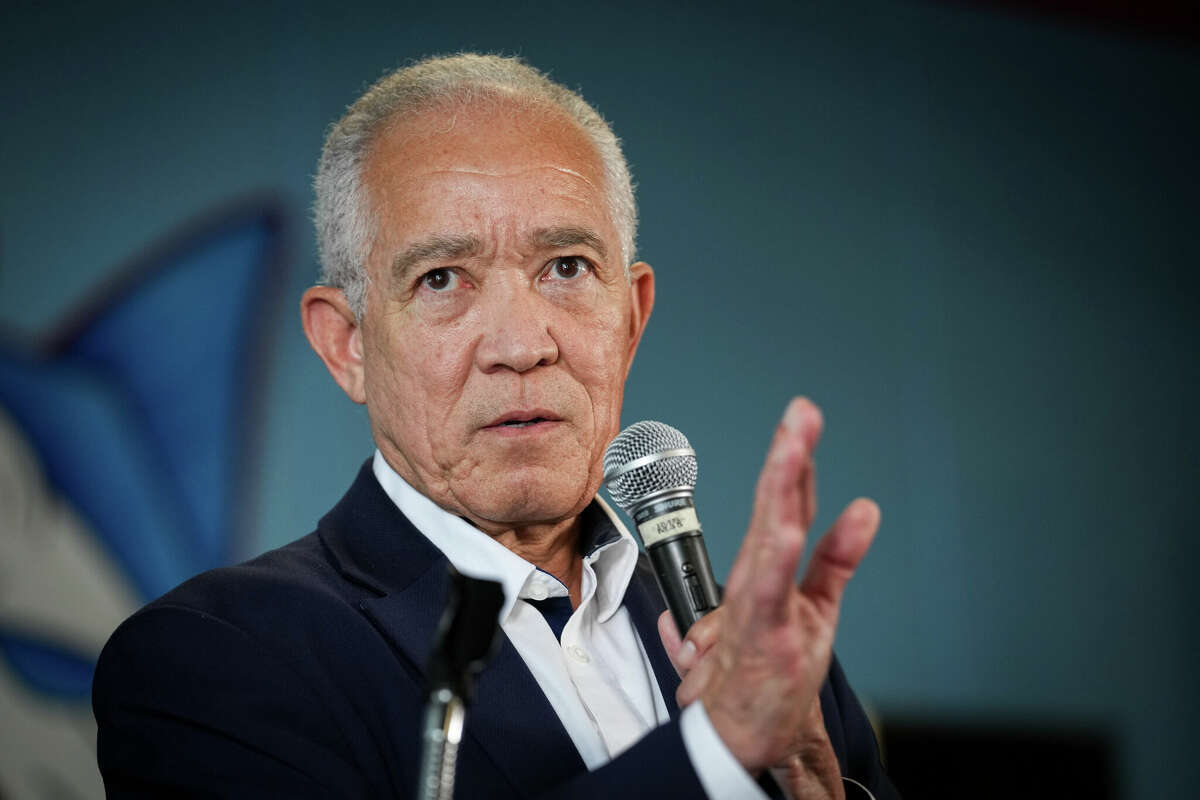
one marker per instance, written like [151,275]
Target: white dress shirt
[598,678]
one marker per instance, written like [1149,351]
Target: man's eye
[440,279]
[567,267]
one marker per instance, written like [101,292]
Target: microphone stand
[464,641]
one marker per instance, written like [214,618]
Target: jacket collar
[372,544]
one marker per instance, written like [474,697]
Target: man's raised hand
[758,663]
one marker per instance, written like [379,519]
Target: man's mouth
[523,419]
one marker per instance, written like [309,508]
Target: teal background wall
[970,237]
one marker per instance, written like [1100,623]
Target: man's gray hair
[345,221]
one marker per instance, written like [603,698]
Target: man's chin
[529,496]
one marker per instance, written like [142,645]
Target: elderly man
[477,227]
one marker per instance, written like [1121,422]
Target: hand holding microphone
[762,660]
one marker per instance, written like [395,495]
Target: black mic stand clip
[465,639]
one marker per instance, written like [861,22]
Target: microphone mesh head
[640,440]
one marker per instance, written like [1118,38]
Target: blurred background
[968,231]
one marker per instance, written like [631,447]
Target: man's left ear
[641,288]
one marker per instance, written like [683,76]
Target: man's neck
[552,548]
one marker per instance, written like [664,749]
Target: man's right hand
[759,663]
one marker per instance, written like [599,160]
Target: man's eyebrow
[568,236]
[433,248]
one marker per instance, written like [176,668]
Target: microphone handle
[445,717]
[685,578]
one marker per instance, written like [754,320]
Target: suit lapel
[509,716]
[374,544]
[644,603]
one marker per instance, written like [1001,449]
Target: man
[477,227]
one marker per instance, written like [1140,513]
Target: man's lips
[523,419]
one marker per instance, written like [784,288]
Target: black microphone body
[650,469]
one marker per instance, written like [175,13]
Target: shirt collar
[608,547]
[613,556]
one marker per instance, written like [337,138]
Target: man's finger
[694,682]
[763,574]
[812,422]
[671,641]
[771,551]
[701,637]
[838,554]
[811,427]
[775,543]
[810,493]
[801,420]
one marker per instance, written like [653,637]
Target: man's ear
[335,334]
[641,287]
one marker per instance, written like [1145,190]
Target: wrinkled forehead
[495,135]
[453,167]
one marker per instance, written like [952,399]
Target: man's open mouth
[523,423]
[523,419]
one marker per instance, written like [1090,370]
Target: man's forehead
[493,139]
[451,177]
[536,209]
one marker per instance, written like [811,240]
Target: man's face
[500,325]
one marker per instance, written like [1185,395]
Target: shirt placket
[614,715]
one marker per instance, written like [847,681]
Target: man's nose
[516,332]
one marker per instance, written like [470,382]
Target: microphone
[650,471]
[466,637]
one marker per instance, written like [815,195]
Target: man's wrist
[720,773]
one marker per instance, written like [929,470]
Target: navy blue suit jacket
[299,674]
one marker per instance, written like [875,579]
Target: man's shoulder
[299,569]
[271,657]
[306,575]
[302,598]
[276,595]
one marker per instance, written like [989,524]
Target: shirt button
[538,592]
[578,653]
